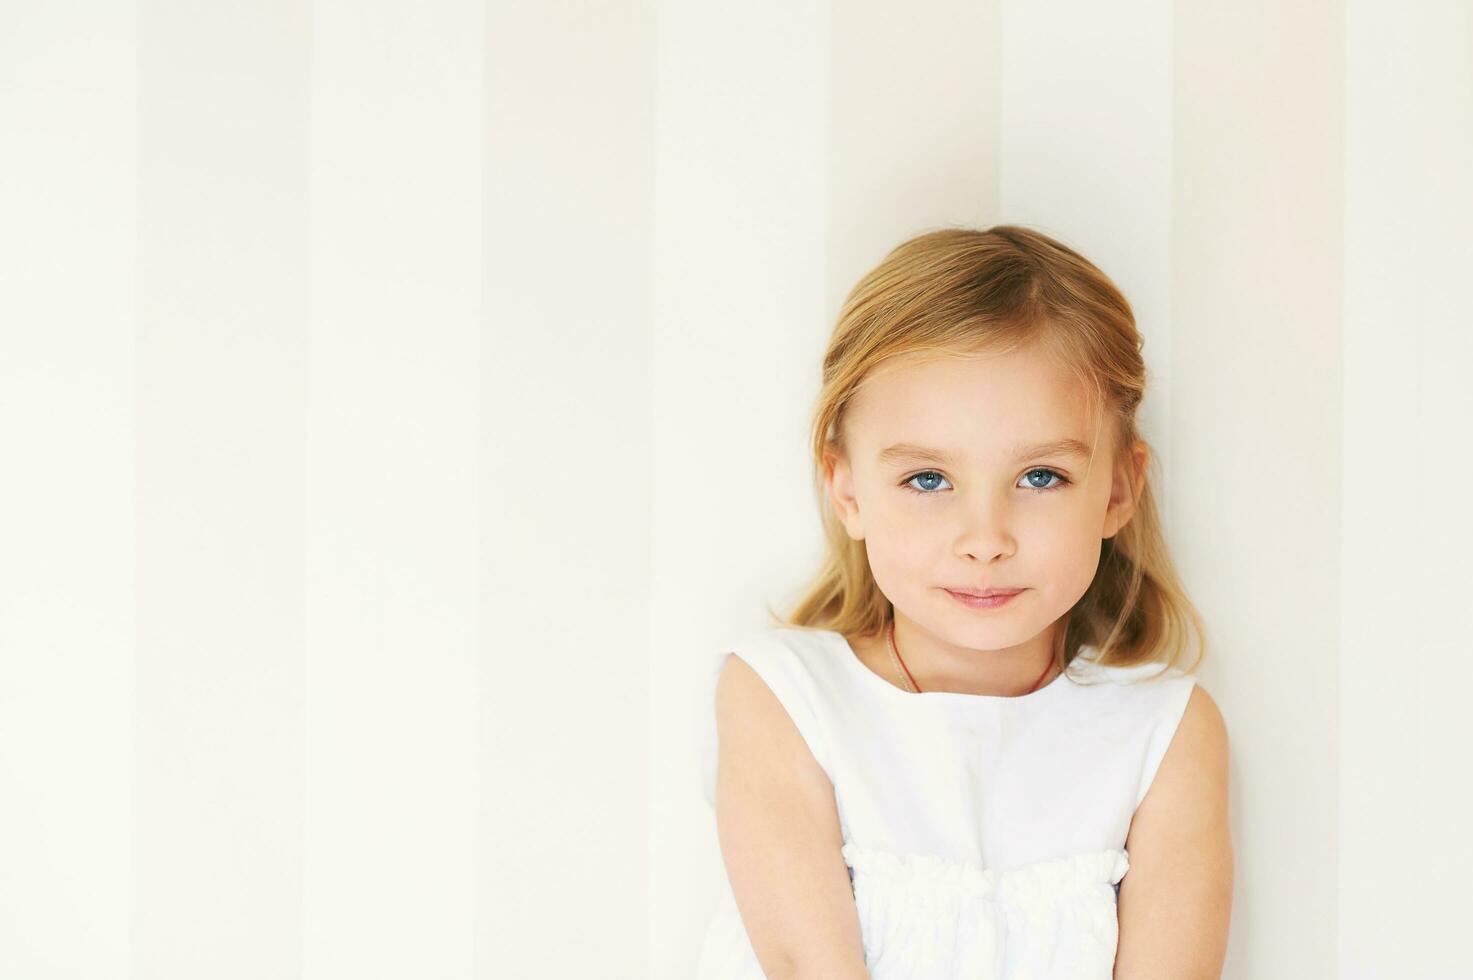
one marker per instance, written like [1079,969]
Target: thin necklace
[916,688]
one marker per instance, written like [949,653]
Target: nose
[985,534]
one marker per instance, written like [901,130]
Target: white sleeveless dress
[984,836]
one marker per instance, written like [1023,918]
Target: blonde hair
[964,291]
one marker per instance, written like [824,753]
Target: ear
[1129,479]
[839,477]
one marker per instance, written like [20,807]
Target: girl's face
[987,507]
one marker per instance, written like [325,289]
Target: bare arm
[1176,899]
[780,840]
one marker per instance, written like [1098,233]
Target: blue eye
[932,474]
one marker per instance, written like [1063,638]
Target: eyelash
[1064,481]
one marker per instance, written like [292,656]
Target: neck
[939,665]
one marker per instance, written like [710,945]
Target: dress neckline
[848,653]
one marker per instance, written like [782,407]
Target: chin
[989,636]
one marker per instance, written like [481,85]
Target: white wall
[399,406]
[325,352]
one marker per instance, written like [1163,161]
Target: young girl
[970,750]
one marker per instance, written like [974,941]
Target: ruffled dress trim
[927,915]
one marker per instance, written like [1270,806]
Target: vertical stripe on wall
[566,696]
[740,266]
[391,489]
[1406,659]
[1256,301]
[220,455]
[68,117]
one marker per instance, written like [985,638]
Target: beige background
[400,404]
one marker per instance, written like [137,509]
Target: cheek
[899,542]
[900,547]
[888,519]
[1068,533]
[1072,546]
[1058,531]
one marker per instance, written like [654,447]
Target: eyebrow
[903,451]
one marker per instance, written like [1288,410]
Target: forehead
[980,405]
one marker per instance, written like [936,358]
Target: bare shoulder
[1176,899]
[751,719]
[1200,742]
[1191,783]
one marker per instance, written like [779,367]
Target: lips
[985,593]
